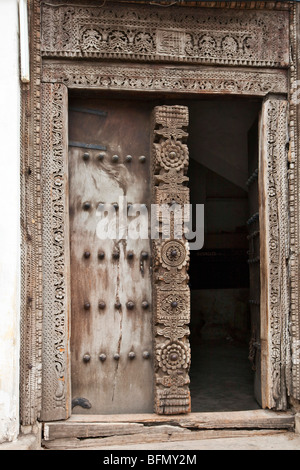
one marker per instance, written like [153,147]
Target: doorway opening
[223,156]
[223,141]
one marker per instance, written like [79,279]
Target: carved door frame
[45,365]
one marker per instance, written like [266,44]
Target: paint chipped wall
[9,220]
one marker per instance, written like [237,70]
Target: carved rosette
[172,356]
[171,296]
[174,307]
[173,254]
[171,154]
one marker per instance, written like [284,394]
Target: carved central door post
[171,293]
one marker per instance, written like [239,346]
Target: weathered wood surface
[143,438]
[149,33]
[69,430]
[92,425]
[251,418]
[99,178]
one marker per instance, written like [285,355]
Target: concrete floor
[221,377]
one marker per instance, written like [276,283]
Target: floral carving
[117,41]
[173,356]
[91,40]
[188,35]
[172,154]
[207,45]
[174,304]
[174,254]
[143,42]
[174,307]
[230,45]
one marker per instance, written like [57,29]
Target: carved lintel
[213,80]
[148,33]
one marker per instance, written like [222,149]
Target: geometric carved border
[105,76]
[56,263]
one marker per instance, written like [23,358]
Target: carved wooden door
[254,258]
[111,320]
[119,363]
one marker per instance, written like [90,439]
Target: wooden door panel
[110,342]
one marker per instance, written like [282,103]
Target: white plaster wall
[9,220]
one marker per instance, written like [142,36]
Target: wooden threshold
[104,430]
